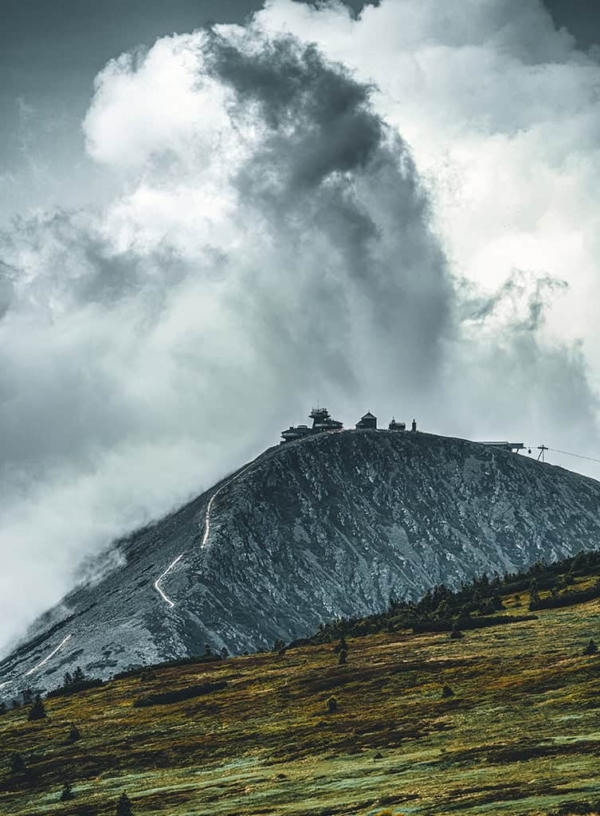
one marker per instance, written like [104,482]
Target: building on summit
[322,421]
[367,422]
[298,432]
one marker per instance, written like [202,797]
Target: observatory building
[322,421]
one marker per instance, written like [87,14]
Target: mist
[309,207]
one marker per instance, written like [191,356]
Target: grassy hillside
[520,735]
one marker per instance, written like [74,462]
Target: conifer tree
[67,793]
[37,712]
[74,734]
[17,764]
[124,806]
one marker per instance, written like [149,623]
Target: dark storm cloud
[334,129]
[327,161]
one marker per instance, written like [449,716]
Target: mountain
[331,525]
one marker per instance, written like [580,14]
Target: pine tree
[17,764]
[67,793]
[332,705]
[124,806]
[37,712]
[342,657]
[74,734]
[591,648]
[78,675]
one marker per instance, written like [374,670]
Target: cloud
[310,206]
[271,244]
[499,111]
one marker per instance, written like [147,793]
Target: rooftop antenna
[541,449]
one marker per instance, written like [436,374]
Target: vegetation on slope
[502,720]
[542,586]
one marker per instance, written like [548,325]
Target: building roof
[369,415]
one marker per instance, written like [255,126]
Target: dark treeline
[444,609]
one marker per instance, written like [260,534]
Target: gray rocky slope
[331,525]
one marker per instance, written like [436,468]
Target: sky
[213,214]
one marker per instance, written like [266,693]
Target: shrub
[447,691]
[456,634]
[67,793]
[124,806]
[178,695]
[332,705]
[74,734]
[17,764]
[37,711]
[468,623]
[343,656]
[147,676]
[591,648]
[73,688]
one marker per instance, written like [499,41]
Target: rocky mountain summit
[329,525]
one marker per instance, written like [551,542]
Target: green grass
[520,736]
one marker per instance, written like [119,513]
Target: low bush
[38,711]
[73,688]
[176,696]
[468,623]
[569,598]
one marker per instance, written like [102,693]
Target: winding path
[205,536]
[41,663]
[47,658]
[164,574]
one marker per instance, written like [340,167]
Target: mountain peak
[330,525]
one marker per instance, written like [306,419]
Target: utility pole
[541,449]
